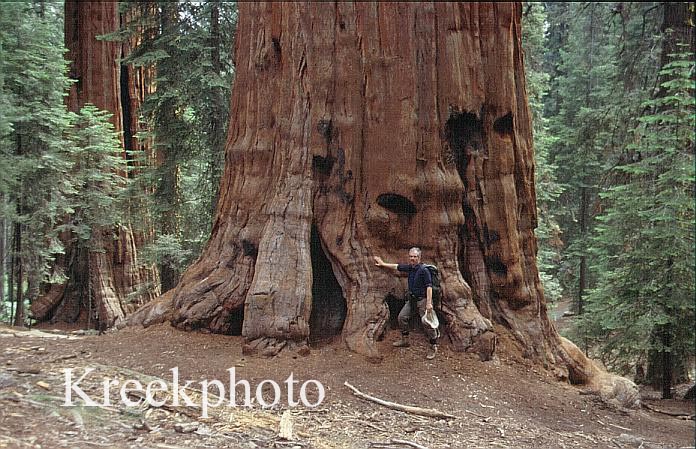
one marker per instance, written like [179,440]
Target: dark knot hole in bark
[323,165]
[276,46]
[249,248]
[397,203]
[328,304]
[503,125]
[464,134]
[496,266]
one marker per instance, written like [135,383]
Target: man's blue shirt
[418,278]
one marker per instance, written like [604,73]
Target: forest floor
[507,402]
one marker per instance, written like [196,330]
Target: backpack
[437,288]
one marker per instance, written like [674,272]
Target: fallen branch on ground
[408,443]
[404,408]
[620,427]
[485,418]
[664,412]
[395,441]
[64,357]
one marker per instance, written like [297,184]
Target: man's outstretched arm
[380,263]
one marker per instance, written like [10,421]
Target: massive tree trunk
[365,129]
[105,281]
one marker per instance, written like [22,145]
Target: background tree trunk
[3,257]
[107,276]
[19,290]
[365,129]
[169,185]
[216,136]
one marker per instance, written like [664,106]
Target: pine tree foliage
[547,188]
[603,64]
[581,133]
[32,125]
[645,238]
[99,189]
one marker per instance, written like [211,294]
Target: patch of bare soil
[498,404]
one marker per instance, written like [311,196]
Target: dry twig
[408,443]
[404,408]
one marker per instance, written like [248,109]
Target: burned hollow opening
[397,203]
[465,137]
[464,134]
[328,304]
[235,320]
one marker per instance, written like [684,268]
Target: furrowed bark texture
[365,129]
[107,282]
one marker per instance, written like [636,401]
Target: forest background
[613,137]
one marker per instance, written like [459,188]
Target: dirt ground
[497,404]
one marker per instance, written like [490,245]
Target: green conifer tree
[548,231]
[646,237]
[58,170]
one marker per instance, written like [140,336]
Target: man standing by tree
[419,295]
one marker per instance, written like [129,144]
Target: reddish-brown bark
[106,282]
[363,129]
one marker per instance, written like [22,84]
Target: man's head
[414,256]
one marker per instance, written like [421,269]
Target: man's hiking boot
[402,343]
[432,352]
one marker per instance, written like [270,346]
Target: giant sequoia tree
[361,129]
[104,277]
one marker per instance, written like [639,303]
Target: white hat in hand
[430,319]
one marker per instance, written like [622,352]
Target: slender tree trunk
[582,278]
[33,279]
[217,139]
[168,192]
[11,280]
[584,191]
[667,372]
[19,302]
[3,257]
